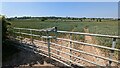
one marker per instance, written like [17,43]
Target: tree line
[59,18]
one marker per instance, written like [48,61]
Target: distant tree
[43,18]
[98,20]
[10,19]
[118,19]
[69,18]
[84,18]
[80,20]
[16,17]
[74,18]
[92,19]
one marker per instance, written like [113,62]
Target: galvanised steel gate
[19,32]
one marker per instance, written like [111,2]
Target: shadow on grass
[18,57]
[8,49]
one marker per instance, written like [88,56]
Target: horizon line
[57,16]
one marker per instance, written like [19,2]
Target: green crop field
[104,27]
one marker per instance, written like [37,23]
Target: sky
[60,0]
[70,9]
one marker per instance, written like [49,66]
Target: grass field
[107,27]
[104,27]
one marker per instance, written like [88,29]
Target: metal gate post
[31,36]
[13,32]
[56,39]
[70,46]
[56,34]
[112,51]
[48,40]
[20,36]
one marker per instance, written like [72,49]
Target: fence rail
[80,33]
[49,43]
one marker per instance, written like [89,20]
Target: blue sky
[72,9]
[60,0]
